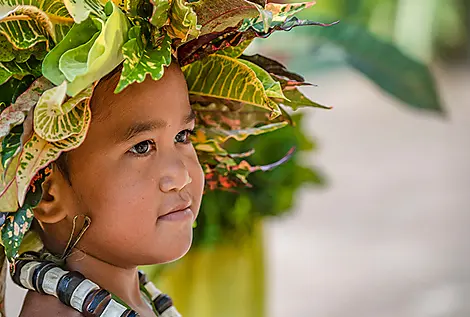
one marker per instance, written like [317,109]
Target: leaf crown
[53,52]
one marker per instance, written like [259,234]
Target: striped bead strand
[162,302]
[71,288]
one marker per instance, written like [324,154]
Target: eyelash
[188,132]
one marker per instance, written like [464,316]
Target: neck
[122,282]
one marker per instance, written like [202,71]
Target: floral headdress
[53,52]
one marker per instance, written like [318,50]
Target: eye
[143,148]
[183,136]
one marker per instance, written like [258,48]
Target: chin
[174,250]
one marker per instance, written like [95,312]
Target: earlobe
[52,208]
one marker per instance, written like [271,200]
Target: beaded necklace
[74,290]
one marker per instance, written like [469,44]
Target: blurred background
[371,217]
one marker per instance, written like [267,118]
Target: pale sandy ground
[390,236]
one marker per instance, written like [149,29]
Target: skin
[135,165]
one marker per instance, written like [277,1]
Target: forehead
[162,99]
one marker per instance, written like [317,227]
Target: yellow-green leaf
[272,87]
[106,52]
[8,188]
[55,120]
[183,21]
[38,153]
[224,77]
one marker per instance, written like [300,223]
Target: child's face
[136,165]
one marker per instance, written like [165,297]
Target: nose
[175,175]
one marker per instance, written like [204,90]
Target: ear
[56,195]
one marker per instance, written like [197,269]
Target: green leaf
[73,63]
[272,87]
[235,51]
[16,113]
[19,70]
[218,15]
[8,187]
[38,153]
[296,100]
[56,120]
[140,61]
[224,77]
[78,35]
[382,62]
[281,12]
[15,227]
[11,145]
[160,13]
[106,52]
[34,21]
[183,21]
[18,223]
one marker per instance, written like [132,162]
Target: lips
[180,208]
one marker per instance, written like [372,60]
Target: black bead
[67,284]
[162,303]
[129,313]
[96,302]
[16,275]
[36,274]
[143,278]
[40,276]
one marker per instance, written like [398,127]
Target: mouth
[178,213]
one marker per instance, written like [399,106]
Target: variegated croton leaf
[16,113]
[38,153]
[224,77]
[141,59]
[17,224]
[30,22]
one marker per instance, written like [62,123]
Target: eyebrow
[145,126]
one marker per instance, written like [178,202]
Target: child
[102,159]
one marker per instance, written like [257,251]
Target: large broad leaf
[218,15]
[54,119]
[34,21]
[140,61]
[382,62]
[79,35]
[16,113]
[38,153]
[224,77]
[183,21]
[106,52]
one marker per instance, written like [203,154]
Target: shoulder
[38,305]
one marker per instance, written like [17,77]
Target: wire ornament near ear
[73,241]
